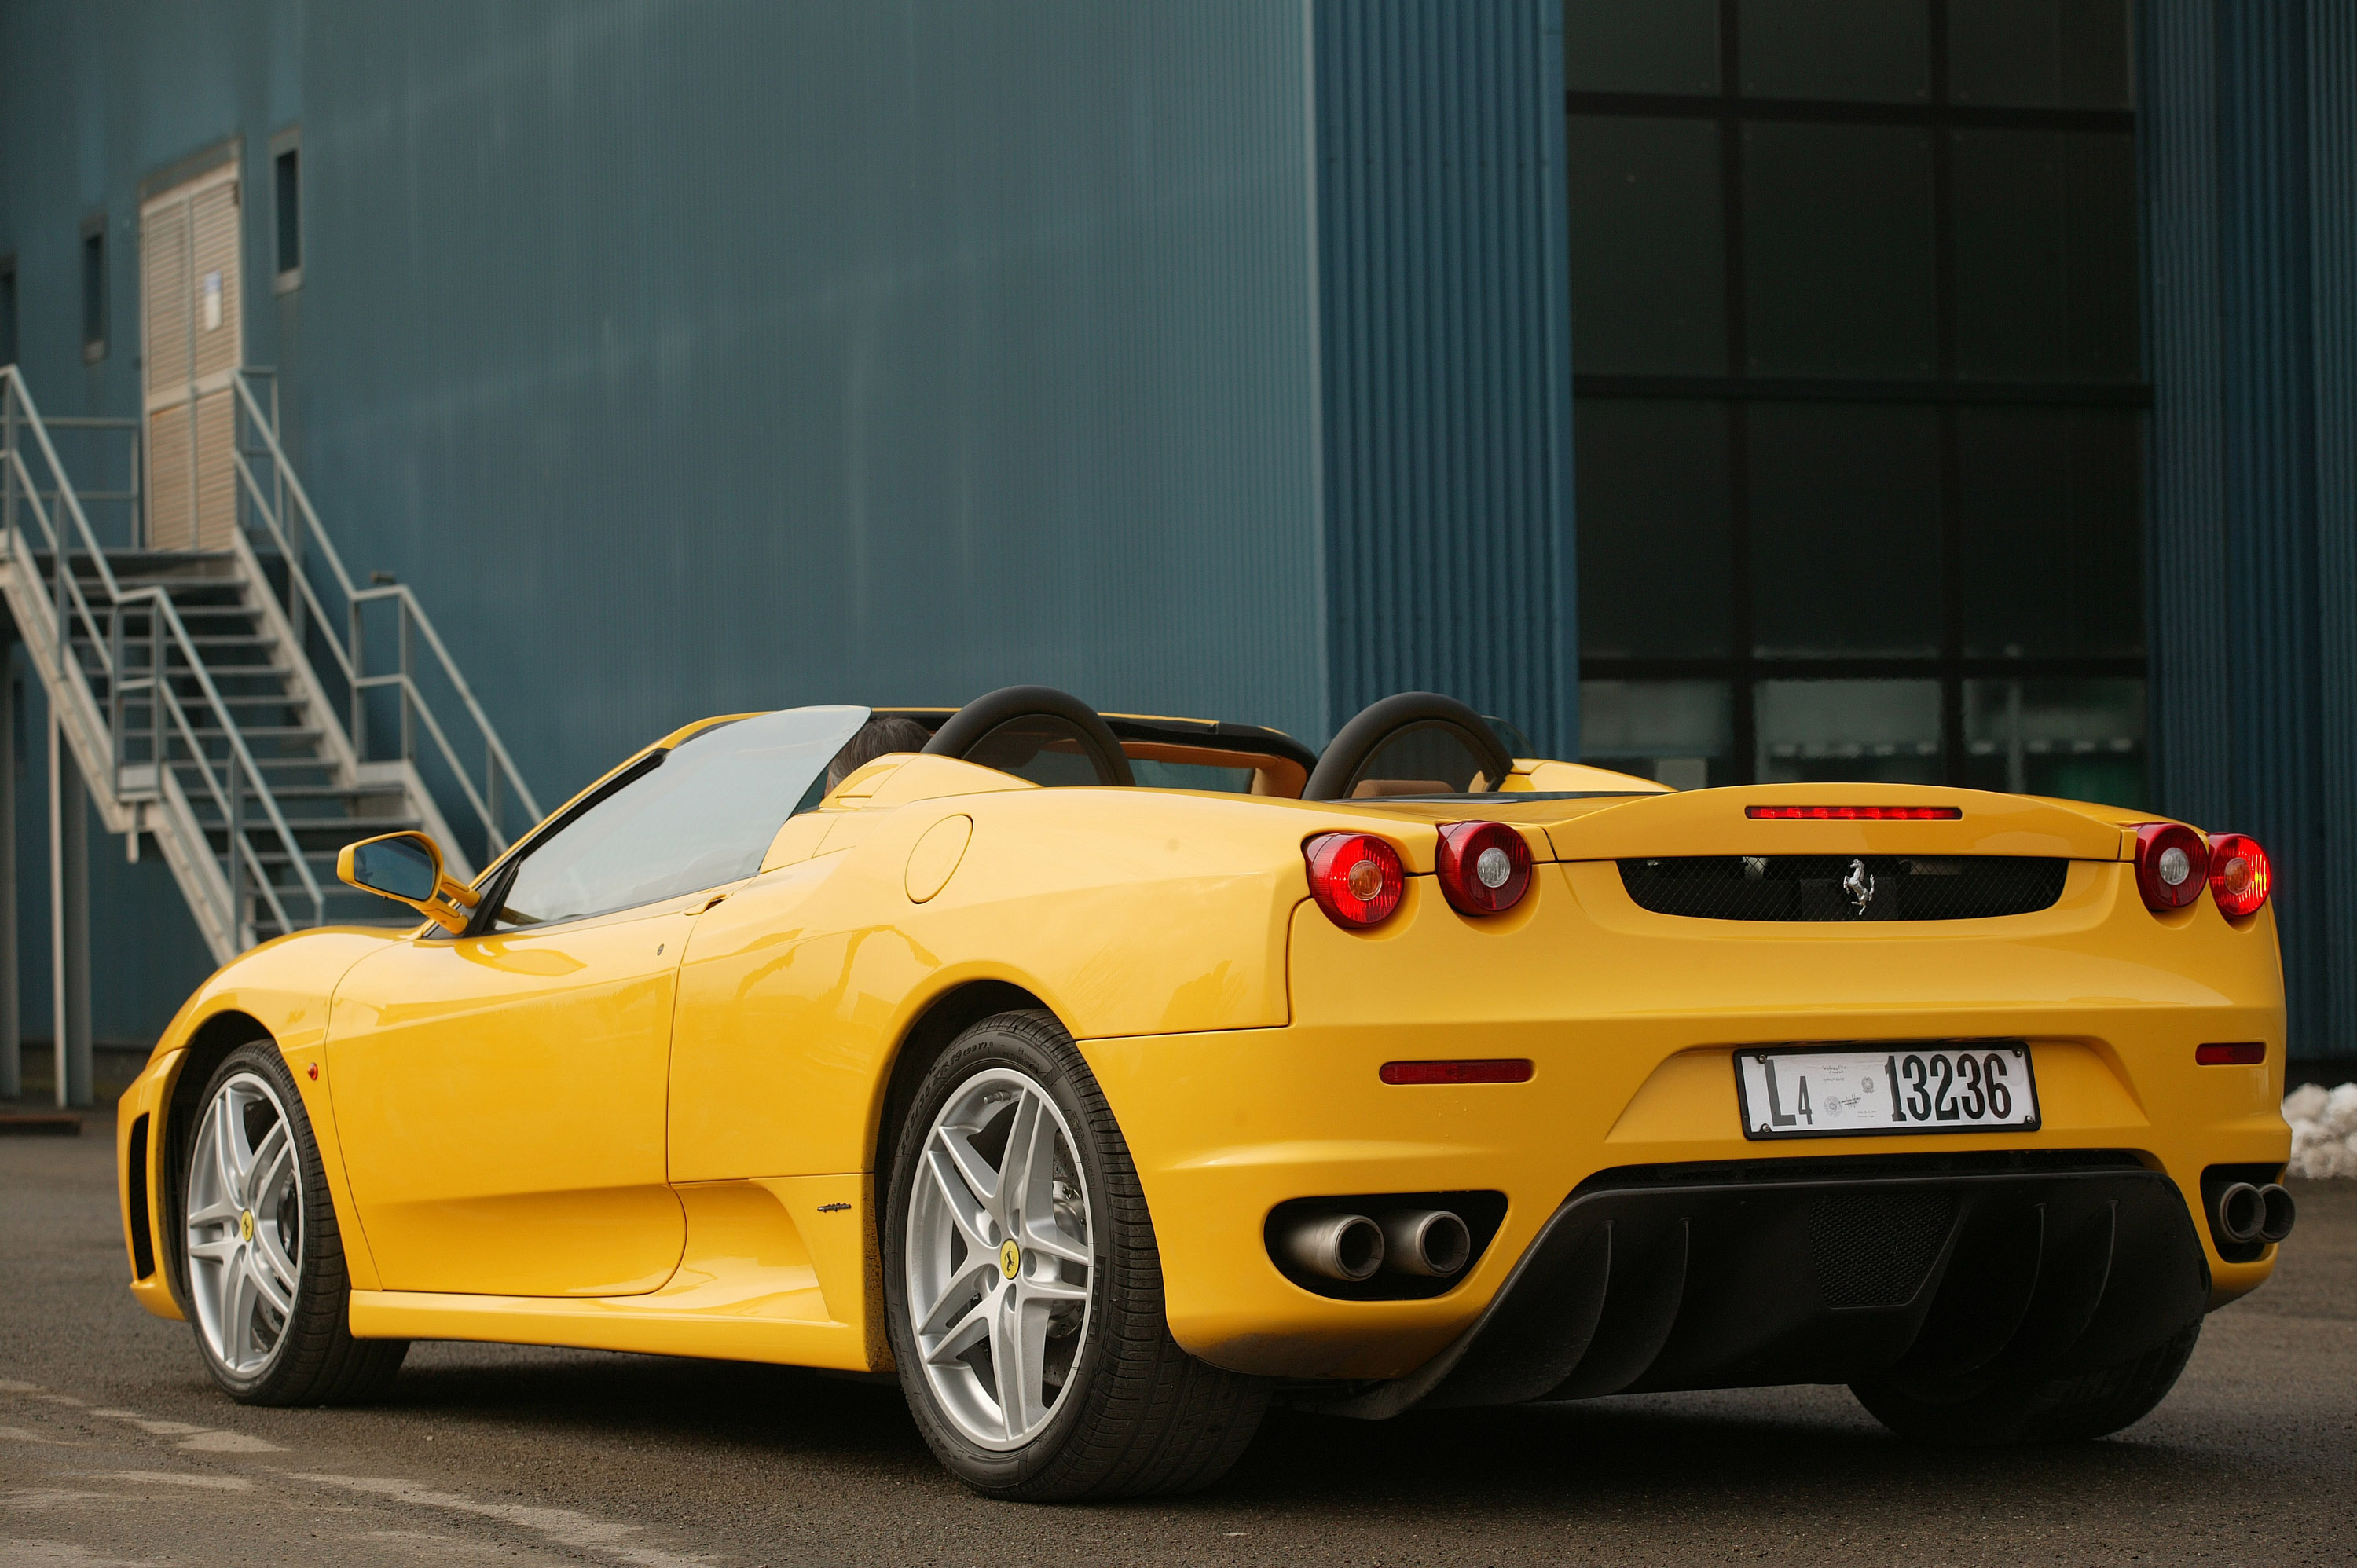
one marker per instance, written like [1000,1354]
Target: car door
[501,1093]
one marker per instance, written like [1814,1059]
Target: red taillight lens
[1356,878]
[2241,1053]
[1853,813]
[2239,874]
[2171,865]
[1495,1069]
[1485,867]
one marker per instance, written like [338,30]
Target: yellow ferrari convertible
[1107,1077]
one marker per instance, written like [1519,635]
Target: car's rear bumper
[1632,1021]
[1826,1271]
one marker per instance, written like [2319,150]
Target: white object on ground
[2323,1130]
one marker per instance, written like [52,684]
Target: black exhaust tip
[2240,1213]
[2277,1212]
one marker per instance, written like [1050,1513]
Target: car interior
[1413,743]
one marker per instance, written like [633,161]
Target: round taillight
[1357,878]
[1485,867]
[2239,874]
[2172,864]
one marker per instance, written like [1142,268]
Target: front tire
[261,1257]
[1989,1412]
[1023,1288]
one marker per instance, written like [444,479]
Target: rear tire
[1988,1413]
[1106,1402]
[261,1257]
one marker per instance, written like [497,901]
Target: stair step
[259,732]
[283,793]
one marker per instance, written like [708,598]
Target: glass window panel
[1869,49]
[1656,575]
[1648,248]
[701,816]
[2049,503]
[2046,255]
[1884,732]
[1661,45]
[2083,740]
[1679,732]
[2040,54]
[1845,529]
[1837,242]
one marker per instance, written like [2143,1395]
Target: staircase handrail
[106,643]
[167,614]
[68,586]
[352,659]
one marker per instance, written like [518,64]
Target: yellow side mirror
[407,867]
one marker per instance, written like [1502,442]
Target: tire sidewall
[1034,1046]
[315,1295]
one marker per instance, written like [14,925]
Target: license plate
[1861,1091]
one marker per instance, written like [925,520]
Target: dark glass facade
[1861,401]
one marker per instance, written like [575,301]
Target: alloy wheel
[245,1224]
[999,1258]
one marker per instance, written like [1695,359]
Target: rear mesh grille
[1873,1248]
[1844,888]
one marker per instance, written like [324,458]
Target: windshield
[697,816]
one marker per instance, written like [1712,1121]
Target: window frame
[287,144]
[1744,669]
[95,286]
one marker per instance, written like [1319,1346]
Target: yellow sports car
[1107,1077]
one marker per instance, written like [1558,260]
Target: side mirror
[407,867]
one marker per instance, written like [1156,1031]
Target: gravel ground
[117,1451]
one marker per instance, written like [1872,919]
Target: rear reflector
[1853,813]
[2243,1053]
[1501,1069]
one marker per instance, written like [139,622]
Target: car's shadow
[1754,1454]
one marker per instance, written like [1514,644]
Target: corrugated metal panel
[2332,194]
[2270,587]
[2177,129]
[690,356]
[2248,163]
[1444,338]
[97,96]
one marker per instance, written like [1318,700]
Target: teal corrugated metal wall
[2248,157]
[95,95]
[693,355]
[2333,221]
[1447,352]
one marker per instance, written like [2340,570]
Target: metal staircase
[249,710]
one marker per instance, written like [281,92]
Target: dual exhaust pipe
[1429,1243]
[2244,1213]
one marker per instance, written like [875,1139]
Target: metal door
[192,322]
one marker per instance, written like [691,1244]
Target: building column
[2247,144]
[12,1030]
[2332,226]
[68,919]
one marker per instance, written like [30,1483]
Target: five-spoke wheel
[245,1224]
[998,1259]
[1023,1287]
[261,1263]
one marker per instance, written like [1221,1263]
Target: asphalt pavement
[114,1449]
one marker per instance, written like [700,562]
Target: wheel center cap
[1010,1257]
[245,1225]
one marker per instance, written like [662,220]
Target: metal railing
[279,502]
[101,612]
